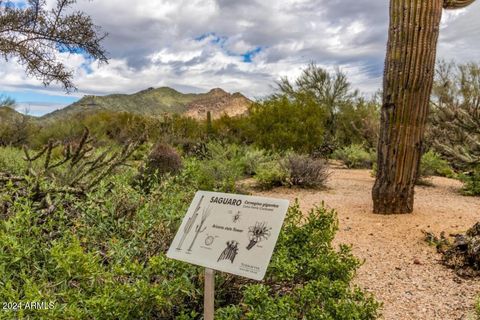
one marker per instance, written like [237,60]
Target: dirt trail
[400,268]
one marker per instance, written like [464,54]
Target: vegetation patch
[102,255]
[463,254]
[354,156]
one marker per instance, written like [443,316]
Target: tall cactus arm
[456,4]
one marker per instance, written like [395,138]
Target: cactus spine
[407,84]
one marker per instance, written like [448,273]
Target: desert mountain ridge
[160,101]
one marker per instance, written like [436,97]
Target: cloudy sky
[238,45]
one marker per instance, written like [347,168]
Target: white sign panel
[229,232]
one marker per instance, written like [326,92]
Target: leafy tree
[357,123]
[34,34]
[330,91]
[280,123]
[409,70]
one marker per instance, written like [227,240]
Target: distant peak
[217,91]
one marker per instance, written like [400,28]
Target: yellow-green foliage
[103,256]
[432,164]
[271,174]
[478,308]
[11,160]
[358,122]
[282,124]
[355,156]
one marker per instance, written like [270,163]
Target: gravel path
[400,268]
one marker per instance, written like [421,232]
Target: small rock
[417,261]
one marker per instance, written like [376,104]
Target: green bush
[271,174]
[292,170]
[11,160]
[471,182]
[432,164]
[358,122]
[222,168]
[282,124]
[354,156]
[307,278]
[252,158]
[102,256]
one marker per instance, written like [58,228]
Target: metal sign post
[209,294]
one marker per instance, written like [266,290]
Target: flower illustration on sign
[257,233]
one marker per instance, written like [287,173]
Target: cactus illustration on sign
[188,226]
[230,251]
[200,228]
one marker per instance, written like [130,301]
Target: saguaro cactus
[407,84]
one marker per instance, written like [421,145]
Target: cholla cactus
[77,171]
[455,130]
[409,70]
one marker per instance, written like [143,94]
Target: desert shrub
[354,156]
[192,148]
[471,182]
[58,171]
[280,123]
[175,129]
[304,171]
[16,132]
[271,174]
[103,256]
[313,278]
[234,129]
[252,158]
[221,169]
[163,159]
[358,122]
[11,160]
[432,164]
[118,126]
[57,130]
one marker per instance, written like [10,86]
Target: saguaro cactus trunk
[408,77]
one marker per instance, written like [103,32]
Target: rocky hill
[9,116]
[160,101]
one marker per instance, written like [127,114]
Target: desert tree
[34,34]
[408,77]
[330,90]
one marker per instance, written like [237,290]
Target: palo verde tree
[34,34]
[408,77]
[330,90]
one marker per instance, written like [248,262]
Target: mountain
[160,101]
[11,116]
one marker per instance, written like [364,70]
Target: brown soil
[400,268]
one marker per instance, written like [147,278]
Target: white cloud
[153,43]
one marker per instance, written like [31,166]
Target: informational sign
[229,232]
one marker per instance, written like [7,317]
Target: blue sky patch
[249,55]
